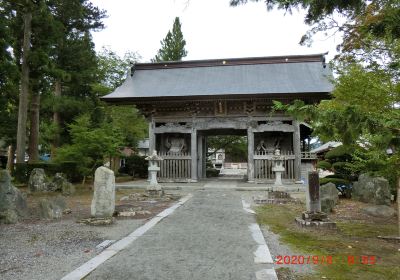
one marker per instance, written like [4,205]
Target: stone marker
[312,194]
[12,201]
[38,181]
[103,203]
[329,197]
[313,217]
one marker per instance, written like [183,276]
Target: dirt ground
[48,249]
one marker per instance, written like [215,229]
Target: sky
[212,29]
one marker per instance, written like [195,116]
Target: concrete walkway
[209,237]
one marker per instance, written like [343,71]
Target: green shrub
[325,165]
[24,170]
[336,181]
[211,172]
[70,169]
[21,172]
[341,153]
[135,166]
[335,176]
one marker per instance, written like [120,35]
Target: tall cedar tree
[9,77]
[74,62]
[31,35]
[43,33]
[173,46]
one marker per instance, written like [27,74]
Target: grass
[351,239]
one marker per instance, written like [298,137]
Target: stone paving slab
[206,238]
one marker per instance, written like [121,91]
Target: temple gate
[184,102]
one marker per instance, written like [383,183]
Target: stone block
[13,204]
[38,181]
[329,197]
[382,211]
[52,208]
[374,190]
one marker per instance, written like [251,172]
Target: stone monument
[314,217]
[103,203]
[154,188]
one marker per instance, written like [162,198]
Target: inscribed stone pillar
[312,195]
[250,154]
[297,151]
[103,202]
[193,152]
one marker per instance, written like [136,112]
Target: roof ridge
[230,62]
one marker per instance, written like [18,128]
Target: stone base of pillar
[279,188]
[155,193]
[316,224]
[314,216]
[315,220]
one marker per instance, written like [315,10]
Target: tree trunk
[56,120]
[398,203]
[24,91]
[34,129]
[10,158]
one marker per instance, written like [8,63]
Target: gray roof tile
[267,78]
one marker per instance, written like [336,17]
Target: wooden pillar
[250,154]
[297,151]
[152,140]
[193,152]
[200,156]
[152,137]
[205,150]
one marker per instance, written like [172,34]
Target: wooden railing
[263,168]
[263,163]
[308,155]
[175,166]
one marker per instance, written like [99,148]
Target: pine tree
[173,45]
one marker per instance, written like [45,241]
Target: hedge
[69,168]
[135,166]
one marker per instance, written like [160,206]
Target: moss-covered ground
[351,252]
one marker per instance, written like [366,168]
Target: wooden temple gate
[182,145]
[185,100]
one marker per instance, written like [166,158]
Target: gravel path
[48,250]
[206,238]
